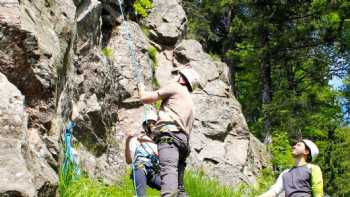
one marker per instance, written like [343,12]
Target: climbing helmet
[191,77]
[312,147]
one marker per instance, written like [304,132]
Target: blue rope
[68,154]
[137,72]
[131,48]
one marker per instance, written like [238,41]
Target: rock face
[166,21]
[71,60]
[23,167]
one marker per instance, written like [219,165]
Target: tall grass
[197,185]
[83,186]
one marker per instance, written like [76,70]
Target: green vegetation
[71,186]
[283,55]
[141,7]
[158,104]
[107,52]
[145,30]
[281,152]
[84,186]
[197,185]
[152,52]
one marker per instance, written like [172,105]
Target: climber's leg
[168,158]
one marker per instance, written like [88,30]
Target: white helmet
[191,76]
[312,147]
[150,114]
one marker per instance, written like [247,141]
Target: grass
[86,187]
[152,52]
[197,185]
[83,186]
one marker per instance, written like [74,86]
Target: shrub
[141,7]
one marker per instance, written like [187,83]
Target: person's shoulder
[144,137]
[313,168]
[310,165]
[286,170]
[168,89]
[172,84]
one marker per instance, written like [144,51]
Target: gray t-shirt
[177,105]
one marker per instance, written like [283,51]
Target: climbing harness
[144,158]
[70,161]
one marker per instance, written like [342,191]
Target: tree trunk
[266,98]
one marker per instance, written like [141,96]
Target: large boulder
[91,100]
[101,87]
[166,21]
[89,24]
[34,39]
[191,51]
[130,57]
[23,167]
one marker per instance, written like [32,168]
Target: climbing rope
[132,50]
[137,76]
[70,162]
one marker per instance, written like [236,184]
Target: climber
[304,179]
[141,152]
[173,127]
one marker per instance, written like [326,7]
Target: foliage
[199,185]
[282,56]
[281,152]
[141,7]
[335,159]
[152,52]
[158,104]
[84,186]
[107,52]
[196,183]
[145,30]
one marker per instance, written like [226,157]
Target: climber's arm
[316,181]
[147,97]
[150,97]
[127,151]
